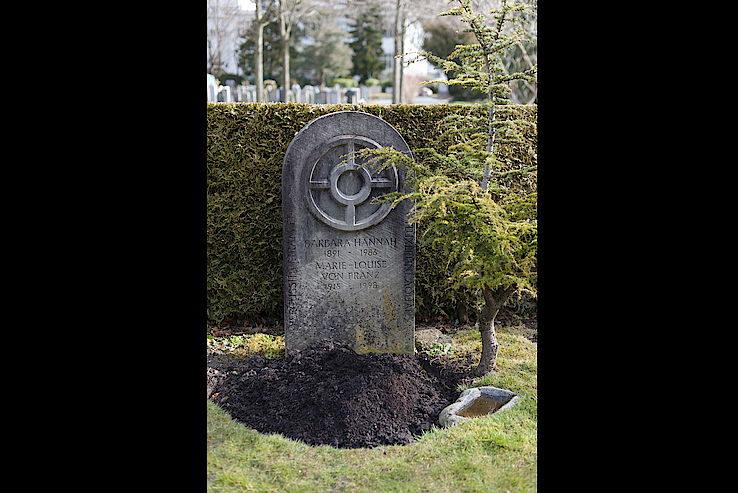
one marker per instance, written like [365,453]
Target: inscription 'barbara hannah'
[356,242]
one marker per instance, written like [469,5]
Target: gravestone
[334,95]
[362,93]
[248,93]
[349,262]
[308,94]
[297,96]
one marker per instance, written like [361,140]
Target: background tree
[523,54]
[262,16]
[366,29]
[441,37]
[289,11]
[272,52]
[326,55]
[222,21]
[272,58]
[405,13]
[398,36]
[465,197]
[442,34]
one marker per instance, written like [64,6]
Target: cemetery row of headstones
[232,93]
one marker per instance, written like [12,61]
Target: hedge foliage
[246,144]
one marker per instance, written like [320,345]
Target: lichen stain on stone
[369,343]
[389,309]
[360,345]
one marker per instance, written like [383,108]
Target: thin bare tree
[406,13]
[261,19]
[398,36]
[524,57]
[289,11]
[222,17]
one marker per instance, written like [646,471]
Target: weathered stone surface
[427,338]
[349,263]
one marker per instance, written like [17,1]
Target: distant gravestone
[297,94]
[249,94]
[350,96]
[349,263]
[227,94]
[308,93]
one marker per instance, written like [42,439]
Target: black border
[143,298]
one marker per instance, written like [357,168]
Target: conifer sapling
[485,226]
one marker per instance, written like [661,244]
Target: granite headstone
[349,262]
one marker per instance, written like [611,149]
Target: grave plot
[330,395]
[350,377]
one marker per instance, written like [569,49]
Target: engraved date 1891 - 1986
[364,252]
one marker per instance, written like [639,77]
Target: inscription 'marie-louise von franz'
[349,261]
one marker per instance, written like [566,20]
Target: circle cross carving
[319,183]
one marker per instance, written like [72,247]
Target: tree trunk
[284,33]
[486,49]
[286,63]
[259,54]
[488,360]
[493,301]
[396,62]
[403,99]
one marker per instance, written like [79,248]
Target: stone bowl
[478,401]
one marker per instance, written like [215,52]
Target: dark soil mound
[331,395]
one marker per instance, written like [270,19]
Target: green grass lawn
[490,453]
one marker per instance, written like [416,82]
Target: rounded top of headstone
[320,166]
[344,122]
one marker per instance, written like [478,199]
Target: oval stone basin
[475,402]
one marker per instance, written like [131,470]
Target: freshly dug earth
[330,395]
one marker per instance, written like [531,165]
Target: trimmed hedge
[246,144]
